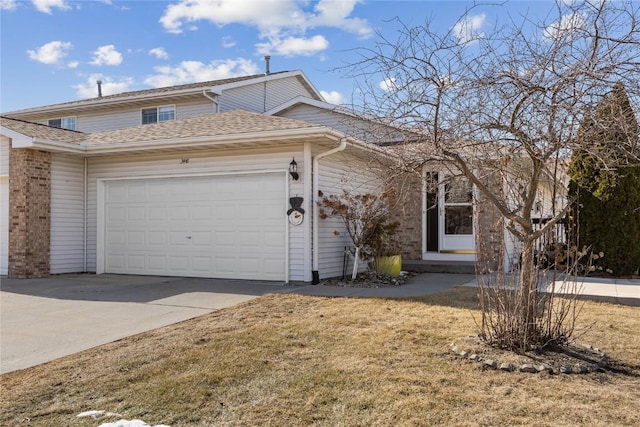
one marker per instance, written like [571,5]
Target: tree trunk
[528,291]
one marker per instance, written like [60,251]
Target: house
[213,179]
[204,193]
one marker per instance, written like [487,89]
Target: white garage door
[230,226]
[4,225]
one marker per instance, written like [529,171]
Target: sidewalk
[617,291]
[422,284]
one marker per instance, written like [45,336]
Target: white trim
[309,209]
[304,100]
[18,140]
[287,227]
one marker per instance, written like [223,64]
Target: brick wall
[29,213]
[489,227]
[409,214]
[489,222]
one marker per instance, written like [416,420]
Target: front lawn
[288,360]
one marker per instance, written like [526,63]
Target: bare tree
[508,101]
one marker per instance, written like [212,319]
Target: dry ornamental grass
[285,360]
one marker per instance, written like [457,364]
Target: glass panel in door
[456,215]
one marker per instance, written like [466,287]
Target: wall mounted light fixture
[293,170]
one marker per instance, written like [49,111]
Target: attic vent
[99,82]
[267,59]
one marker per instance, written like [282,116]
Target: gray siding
[202,162]
[67,214]
[116,118]
[350,125]
[337,172]
[261,97]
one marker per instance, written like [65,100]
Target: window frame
[158,113]
[64,120]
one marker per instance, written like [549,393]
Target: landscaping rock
[528,368]
[506,367]
[491,363]
[579,369]
[566,370]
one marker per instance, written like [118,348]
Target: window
[63,123]
[158,114]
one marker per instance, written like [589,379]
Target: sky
[54,51]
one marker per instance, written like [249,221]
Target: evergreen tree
[605,185]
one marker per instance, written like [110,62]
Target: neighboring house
[195,180]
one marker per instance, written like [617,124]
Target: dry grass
[286,360]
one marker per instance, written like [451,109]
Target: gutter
[85,225]
[315,274]
[216,109]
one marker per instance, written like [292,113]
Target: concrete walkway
[44,319]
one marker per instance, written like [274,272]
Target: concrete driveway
[44,319]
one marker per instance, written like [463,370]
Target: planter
[389,265]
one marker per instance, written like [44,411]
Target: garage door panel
[216,226]
[136,191]
[157,263]
[116,262]
[116,213]
[136,262]
[136,238]
[137,213]
[157,238]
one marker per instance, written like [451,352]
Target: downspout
[216,109]
[84,231]
[316,199]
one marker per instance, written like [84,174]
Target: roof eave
[291,135]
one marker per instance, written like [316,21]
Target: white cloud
[388,84]
[335,13]
[228,42]
[282,23]
[196,71]
[106,55]
[294,46]
[333,97]
[262,14]
[8,4]
[50,53]
[45,6]
[110,86]
[567,24]
[73,64]
[468,29]
[159,53]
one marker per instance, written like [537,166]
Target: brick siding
[29,213]
[489,228]
[489,223]
[409,214]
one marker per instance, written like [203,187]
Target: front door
[456,215]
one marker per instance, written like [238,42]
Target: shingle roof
[217,124]
[38,131]
[150,92]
